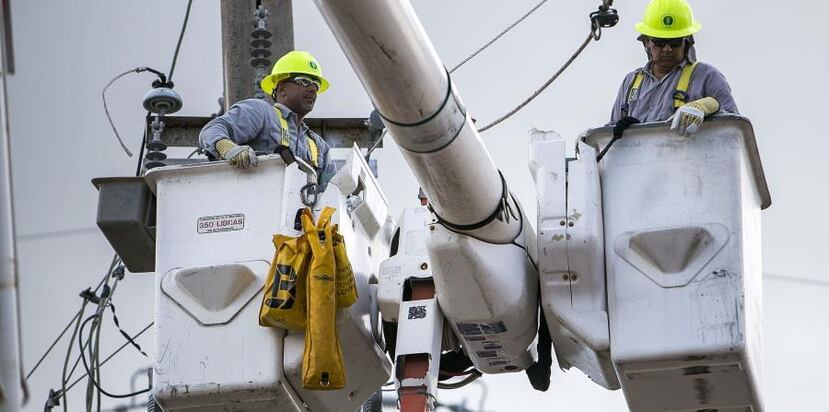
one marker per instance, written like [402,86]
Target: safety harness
[285,140]
[680,93]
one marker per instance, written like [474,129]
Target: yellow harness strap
[634,87]
[681,92]
[285,139]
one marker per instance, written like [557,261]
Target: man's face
[298,95]
[666,53]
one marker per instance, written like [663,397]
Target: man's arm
[621,98]
[241,124]
[717,86]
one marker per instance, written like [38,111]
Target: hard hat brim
[644,29]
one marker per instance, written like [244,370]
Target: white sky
[773,53]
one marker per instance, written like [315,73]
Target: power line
[137,335]
[797,279]
[494,39]
[180,38]
[542,88]
[604,17]
[68,325]
[52,346]
[57,233]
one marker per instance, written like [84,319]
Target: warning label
[490,345]
[481,328]
[220,223]
[485,340]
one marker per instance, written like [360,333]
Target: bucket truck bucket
[683,256]
[213,237]
[571,255]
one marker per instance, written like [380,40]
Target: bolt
[566,276]
[574,277]
[432,227]
[423,266]
[561,223]
[571,224]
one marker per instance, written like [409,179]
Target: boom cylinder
[410,87]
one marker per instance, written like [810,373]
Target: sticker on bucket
[221,223]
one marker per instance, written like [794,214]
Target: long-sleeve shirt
[654,101]
[254,122]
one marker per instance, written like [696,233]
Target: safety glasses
[303,81]
[674,43]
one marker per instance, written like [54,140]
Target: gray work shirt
[655,100]
[254,122]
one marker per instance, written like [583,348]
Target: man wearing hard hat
[672,83]
[254,126]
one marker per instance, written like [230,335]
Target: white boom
[483,280]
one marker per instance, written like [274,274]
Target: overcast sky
[774,54]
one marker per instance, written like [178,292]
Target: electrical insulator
[161,100]
[260,48]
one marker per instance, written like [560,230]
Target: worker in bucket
[253,126]
[672,85]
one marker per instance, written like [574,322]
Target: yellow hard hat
[293,62]
[668,19]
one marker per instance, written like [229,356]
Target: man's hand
[242,157]
[689,117]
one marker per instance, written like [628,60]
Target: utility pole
[11,377]
[243,43]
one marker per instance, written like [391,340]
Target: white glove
[687,120]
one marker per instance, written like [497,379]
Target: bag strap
[308,221]
[325,217]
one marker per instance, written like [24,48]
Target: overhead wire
[596,25]
[797,279]
[136,336]
[52,346]
[164,78]
[498,36]
[77,319]
[142,69]
[542,88]
[94,347]
[89,372]
[180,38]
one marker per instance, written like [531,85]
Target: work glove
[242,157]
[689,116]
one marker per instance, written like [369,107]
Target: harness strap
[285,139]
[634,87]
[633,92]
[681,92]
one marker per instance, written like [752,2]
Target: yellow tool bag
[322,364]
[284,300]
[346,286]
